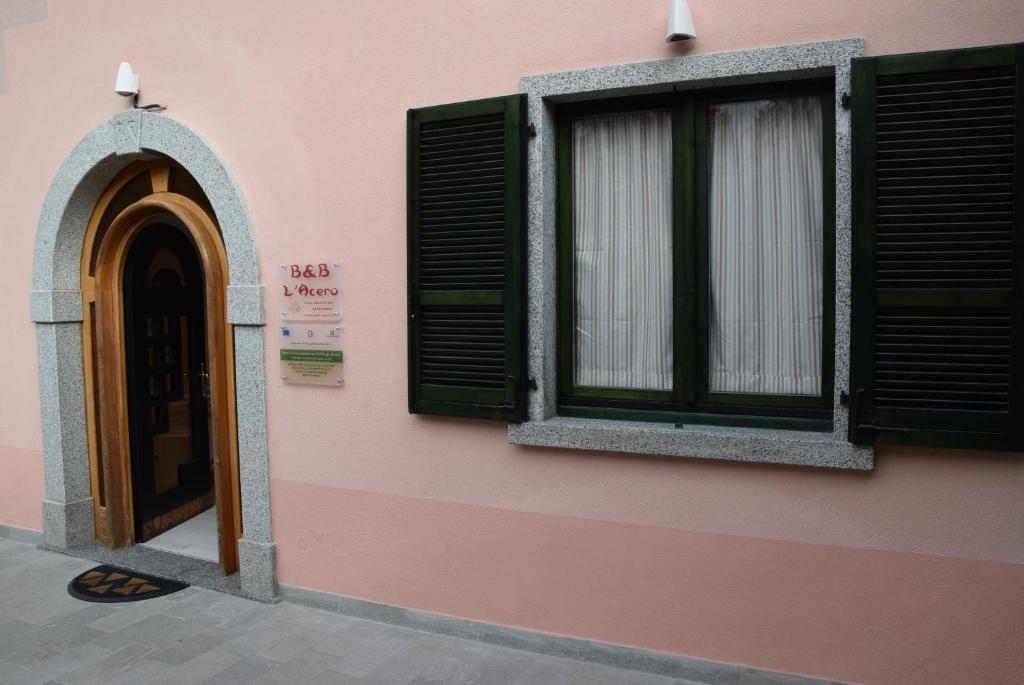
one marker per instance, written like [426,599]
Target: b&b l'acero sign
[310,292]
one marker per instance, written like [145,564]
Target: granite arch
[56,308]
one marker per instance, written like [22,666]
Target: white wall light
[127,84]
[127,80]
[680,22]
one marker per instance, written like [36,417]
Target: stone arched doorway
[56,307]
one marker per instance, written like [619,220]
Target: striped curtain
[622,260]
[766,230]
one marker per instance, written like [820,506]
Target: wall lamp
[127,84]
[680,22]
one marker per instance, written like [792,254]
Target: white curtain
[765,212]
[622,260]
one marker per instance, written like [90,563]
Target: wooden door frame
[106,372]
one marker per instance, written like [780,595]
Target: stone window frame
[544,427]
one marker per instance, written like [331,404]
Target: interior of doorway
[168,393]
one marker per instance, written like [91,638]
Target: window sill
[757,445]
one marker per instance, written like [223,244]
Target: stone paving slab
[199,637]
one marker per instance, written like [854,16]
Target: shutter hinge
[532,383]
[844,398]
[871,428]
[845,100]
[855,414]
[531,130]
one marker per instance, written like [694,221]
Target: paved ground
[201,636]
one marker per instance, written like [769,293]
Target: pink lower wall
[21,488]
[856,614]
[913,573]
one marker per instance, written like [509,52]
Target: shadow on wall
[15,13]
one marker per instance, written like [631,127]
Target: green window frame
[690,400]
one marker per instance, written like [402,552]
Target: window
[695,256]
[686,252]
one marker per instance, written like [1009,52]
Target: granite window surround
[763,65]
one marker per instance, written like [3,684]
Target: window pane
[622,261]
[765,215]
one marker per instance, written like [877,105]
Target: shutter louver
[466,182]
[936,301]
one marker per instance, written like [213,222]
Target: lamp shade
[680,22]
[127,80]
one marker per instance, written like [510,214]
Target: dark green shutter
[937,249]
[466,251]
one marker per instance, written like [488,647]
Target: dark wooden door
[167,380]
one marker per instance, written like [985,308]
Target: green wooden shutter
[937,249]
[466,252]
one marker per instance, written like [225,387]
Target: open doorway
[160,369]
[131,156]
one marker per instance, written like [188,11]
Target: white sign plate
[311,354]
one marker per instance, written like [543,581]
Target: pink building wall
[912,573]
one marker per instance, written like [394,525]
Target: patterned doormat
[113,584]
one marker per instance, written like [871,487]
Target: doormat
[113,584]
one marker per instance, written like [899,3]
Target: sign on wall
[311,292]
[309,300]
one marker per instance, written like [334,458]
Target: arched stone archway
[56,308]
